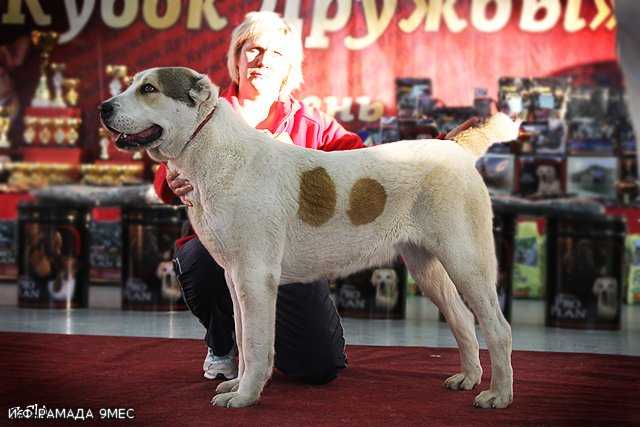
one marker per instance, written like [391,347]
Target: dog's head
[605,285]
[165,269]
[546,173]
[159,111]
[384,277]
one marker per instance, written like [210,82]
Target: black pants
[309,340]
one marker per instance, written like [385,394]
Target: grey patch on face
[176,83]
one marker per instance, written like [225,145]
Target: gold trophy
[74,125]
[59,134]
[5,125]
[45,41]
[45,133]
[119,80]
[29,134]
[72,91]
[104,143]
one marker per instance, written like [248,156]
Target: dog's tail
[499,128]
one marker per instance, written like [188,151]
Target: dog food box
[377,293]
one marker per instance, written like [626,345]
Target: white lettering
[13,412]
[14,13]
[321,23]
[490,25]
[344,108]
[437,10]
[603,13]
[376,23]
[80,414]
[77,21]
[28,412]
[129,13]
[410,23]
[157,22]
[206,8]
[530,8]
[572,20]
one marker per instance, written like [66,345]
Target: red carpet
[161,379]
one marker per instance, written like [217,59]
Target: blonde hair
[254,25]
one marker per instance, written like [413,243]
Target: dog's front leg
[232,385]
[256,291]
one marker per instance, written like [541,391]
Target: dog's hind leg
[232,385]
[256,290]
[471,265]
[435,283]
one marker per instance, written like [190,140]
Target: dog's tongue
[139,136]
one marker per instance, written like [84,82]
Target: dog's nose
[106,110]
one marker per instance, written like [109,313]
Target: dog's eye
[147,88]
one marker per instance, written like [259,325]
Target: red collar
[201,125]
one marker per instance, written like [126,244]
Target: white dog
[169,286]
[385,280]
[272,213]
[606,289]
[548,182]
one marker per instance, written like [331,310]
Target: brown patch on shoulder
[317,199]
[366,201]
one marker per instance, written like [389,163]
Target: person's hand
[180,187]
[462,127]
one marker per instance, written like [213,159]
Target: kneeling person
[265,66]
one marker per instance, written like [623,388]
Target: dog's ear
[202,89]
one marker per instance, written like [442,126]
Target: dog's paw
[227,386]
[233,400]
[462,381]
[492,399]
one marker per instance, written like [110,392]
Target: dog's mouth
[136,141]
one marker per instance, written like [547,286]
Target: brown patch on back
[317,199]
[366,201]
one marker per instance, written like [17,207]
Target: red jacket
[307,127]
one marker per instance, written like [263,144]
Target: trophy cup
[119,78]
[45,41]
[73,124]
[5,125]
[29,134]
[104,143]
[59,134]
[58,81]
[72,91]
[45,133]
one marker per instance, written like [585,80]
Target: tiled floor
[420,328]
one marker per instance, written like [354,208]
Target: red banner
[354,50]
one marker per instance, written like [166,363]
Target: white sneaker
[220,367]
